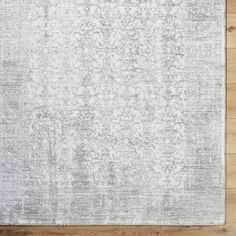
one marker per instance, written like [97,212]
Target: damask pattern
[112,112]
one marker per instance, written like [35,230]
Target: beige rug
[112,112]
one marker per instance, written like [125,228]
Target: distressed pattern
[112,112]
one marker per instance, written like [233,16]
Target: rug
[112,112]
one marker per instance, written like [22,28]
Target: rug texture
[112,112]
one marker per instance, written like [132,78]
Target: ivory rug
[112,112]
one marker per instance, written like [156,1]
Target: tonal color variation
[112,112]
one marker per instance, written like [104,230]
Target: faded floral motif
[112,112]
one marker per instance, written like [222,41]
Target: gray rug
[112,112]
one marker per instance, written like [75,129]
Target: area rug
[112,112]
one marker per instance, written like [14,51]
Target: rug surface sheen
[112,112]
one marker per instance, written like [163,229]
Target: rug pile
[112,112]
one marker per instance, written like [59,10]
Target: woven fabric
[112,112]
